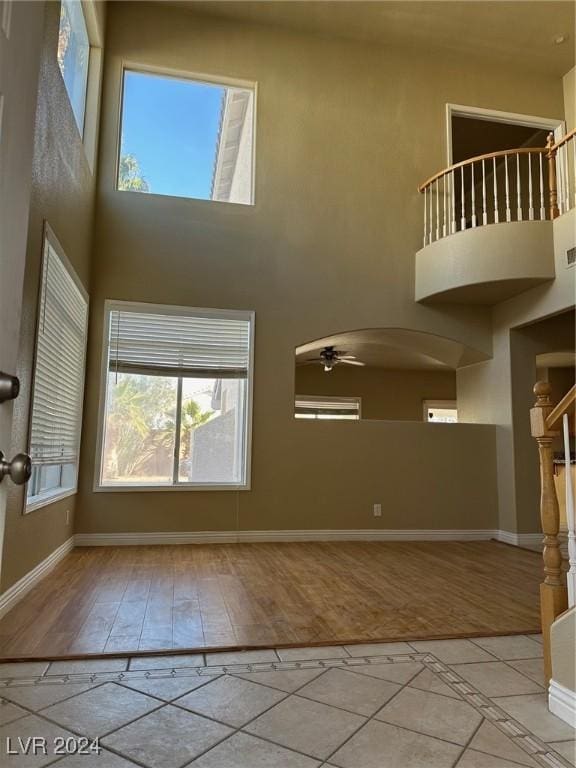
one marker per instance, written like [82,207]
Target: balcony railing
[524,184]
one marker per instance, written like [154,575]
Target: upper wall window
[178,390]
[58,387]
[186,138]
[327,408]
[441,411]
[74,56]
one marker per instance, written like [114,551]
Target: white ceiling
[513,33]
[395,349]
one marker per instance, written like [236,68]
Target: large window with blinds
[58,385]
[177,390]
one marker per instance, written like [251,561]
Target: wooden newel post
[553,591]
[552,184]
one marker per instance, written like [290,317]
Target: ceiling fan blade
[347,357]
[352,362]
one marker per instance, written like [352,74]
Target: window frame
[117,304]
[49,497]
[89,131]
[442,404]
[129,65]
[325,399]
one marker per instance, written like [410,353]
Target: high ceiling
[395,349]
[517,33]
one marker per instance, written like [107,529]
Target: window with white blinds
[177,385]
[317,407]
[58,383]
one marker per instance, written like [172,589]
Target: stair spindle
[518,191]
[474,221]
[542,208]
[530,197]
[462,201]
[496,212]
[484,212]
[508,212]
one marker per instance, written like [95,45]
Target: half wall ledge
[486,265]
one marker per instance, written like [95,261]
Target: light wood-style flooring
[129,599]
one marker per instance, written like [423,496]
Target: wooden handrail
[564,139]
[564,406]
[479,158]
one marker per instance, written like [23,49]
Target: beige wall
[569,84]
[345,132]
[63,195]
[499,391]
[394,395]
[563,642]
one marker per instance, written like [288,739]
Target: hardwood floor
[129,599]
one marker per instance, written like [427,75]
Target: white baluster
[570,515]
[484,214]
[530,198]
[518,192]
[559,182]
[430,212]
[437,210]
[496,212]
[567,178]
[474,222]
[462,201]
[573,142]
[453,197]
[542,208]
[444,230]
[508,214]
[425,216]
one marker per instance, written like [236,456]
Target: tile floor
[475,703]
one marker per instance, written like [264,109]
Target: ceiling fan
[329,357]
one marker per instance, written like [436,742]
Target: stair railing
[524,184]
[545,419]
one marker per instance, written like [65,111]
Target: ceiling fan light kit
[330,357]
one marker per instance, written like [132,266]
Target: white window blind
[200,346]
[59,365]
[309,407]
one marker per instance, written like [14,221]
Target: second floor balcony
[488,223]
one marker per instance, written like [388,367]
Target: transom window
[58,386]
[339,408]
[186,138]
[177,397]
[74,56]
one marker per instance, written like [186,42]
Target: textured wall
[63,195]
[345,132]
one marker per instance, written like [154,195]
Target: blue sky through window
[171,127]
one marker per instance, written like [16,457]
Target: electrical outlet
[377,510]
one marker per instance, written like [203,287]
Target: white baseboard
[528,540]
[562,703]
[230,537]
[17,591]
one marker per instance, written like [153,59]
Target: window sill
[171,488]
[48,498]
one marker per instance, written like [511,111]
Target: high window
[177,385]
[74,56]
[440,411]
[338,408]
[186,138]
[58,385]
